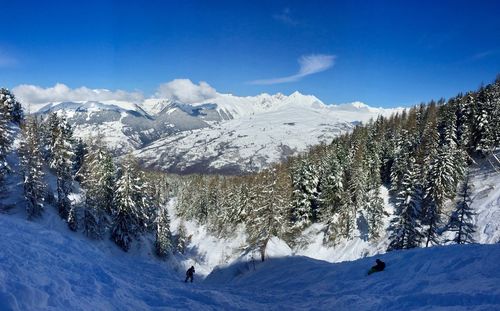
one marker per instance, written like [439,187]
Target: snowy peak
[361,112]
[155,105]
[91,106]
[235,106]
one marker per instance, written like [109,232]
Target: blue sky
[384,53]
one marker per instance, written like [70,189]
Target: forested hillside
[422,155]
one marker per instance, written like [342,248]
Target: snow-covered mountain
[229,133]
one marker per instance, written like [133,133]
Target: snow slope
[440,278]
[42,269]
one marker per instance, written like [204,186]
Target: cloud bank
[186,91]
[36,95]
[179,89]
[309,64]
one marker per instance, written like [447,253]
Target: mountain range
[228,134]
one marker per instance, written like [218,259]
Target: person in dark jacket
[380,266]
[190,274]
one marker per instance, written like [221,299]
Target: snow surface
[44,269]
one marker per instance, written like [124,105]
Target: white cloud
[484,54]
[183,90]
[35,95]
[186,91]
[309,64]
[286,17]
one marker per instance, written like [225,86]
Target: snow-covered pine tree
[269,214]
[128,215]
[374,209]
[32,168]
[283,196]
[440,186]
[330,199]
[462,219]
[218,212]
[375,213]
[98,181]
[484,112]
[495,119]
[228,206]
[463,112]
[305,179]
[331,185]
[6,139]
[61,151]
[192,199]
[357,184]
[150,201]
[405,227]
[181,239]
[163,236]
[237,199]
[10,106]
[404,151]
[79,156]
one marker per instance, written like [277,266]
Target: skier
[189,274]
[378,267]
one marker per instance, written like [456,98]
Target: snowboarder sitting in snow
[189,274]
[378,267]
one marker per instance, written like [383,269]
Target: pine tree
[72,218]
[440,186]
[357,185]
[182,239]
[32,168]
[98,180]
[6,140]
[485,116]
[10,106]
[79,156]
[128,217]
[61,151]
[269,215]
[375,213]
[462,219]
[405,227]
[330,199]
[163,236]
[305,193]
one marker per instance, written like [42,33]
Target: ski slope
[43,269]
